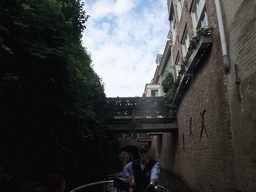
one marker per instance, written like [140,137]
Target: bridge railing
[138,107]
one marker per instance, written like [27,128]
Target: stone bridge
[137,119]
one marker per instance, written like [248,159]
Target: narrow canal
[167,180]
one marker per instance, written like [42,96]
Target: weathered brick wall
[155,147]
[163,148]
[167,152]
[185,20]
[226,159]
[207,163]
[240,20]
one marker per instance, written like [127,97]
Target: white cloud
[124,38]
[103,7]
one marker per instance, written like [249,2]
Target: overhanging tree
[52,101]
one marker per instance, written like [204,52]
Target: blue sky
[124,38]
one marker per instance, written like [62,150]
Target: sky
[124,38]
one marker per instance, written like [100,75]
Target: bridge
[140,114]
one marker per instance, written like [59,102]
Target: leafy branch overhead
[44,28]
[50,93]
[48,34]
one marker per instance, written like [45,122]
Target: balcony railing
[195,58]
[137,107]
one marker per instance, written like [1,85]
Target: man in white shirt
[145,170]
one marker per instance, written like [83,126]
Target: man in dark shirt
[145,171]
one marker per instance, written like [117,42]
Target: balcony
[203,44]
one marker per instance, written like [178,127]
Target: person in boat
[145,171]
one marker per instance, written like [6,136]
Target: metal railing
[161,188]
[106,185]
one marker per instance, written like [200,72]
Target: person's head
[144,153]
[55,182]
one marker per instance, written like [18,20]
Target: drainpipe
[225,57]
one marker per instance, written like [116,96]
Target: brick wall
[240,20]
[225,158]
[206,163]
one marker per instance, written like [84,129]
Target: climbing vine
[168,85]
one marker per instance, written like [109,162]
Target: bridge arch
[130,149]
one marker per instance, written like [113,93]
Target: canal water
[172,182]
[168,180]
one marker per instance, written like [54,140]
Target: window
[154,93]
[177,66]
[204,20]
[174,29]
[199,15]
[173,24]
[179,7]
[185,42]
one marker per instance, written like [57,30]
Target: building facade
[240,28]
[215,148]
[154,88]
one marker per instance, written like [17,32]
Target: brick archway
[133,150]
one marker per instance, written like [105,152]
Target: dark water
[172,182]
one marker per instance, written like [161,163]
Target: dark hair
[53,181]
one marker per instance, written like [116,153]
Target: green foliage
[203,31]
[193,42]
[168,82]
[168,85]
[123,117]
[50,93]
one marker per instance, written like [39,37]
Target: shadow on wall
[174,145]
